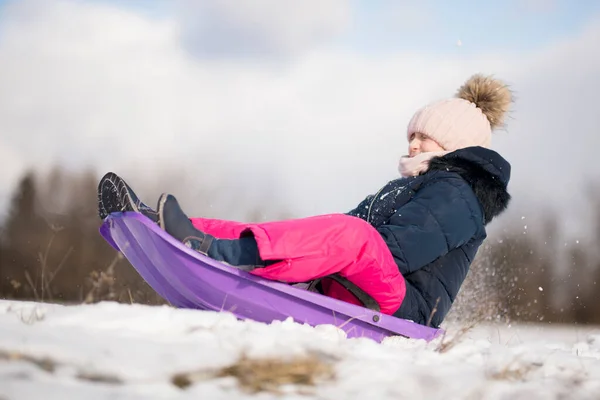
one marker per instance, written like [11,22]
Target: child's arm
[362,209]
[438,219]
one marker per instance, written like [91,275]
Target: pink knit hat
[467,119]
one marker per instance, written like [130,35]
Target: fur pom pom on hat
[469,118]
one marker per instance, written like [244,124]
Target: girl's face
[421,143]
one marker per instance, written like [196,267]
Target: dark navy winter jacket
[434,224]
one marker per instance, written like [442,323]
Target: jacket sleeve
[438,219]
[362,209]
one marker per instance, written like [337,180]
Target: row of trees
[50,250]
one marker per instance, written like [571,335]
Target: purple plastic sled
[188,279]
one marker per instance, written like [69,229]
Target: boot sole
[160,208]
[119,201]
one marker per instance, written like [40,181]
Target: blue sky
[381,26]
[437,25]
[480,25]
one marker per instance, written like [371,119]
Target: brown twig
[30,281]
[433,312]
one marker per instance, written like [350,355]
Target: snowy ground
[139,352]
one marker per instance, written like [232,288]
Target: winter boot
[115,195]
[173,220]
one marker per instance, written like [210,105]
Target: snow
[133,351]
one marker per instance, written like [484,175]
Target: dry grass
[49,365]
[103,283]
[44,363]
[266,375]
[515,370]
[448,342]
[100,284]
[99,378]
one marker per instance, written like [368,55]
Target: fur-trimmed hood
[486,171]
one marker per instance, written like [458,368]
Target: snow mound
[134,351]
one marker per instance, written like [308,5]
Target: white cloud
[90,84]
[260,27]
[554,138]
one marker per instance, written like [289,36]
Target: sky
[298,107]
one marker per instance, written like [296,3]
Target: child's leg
[298,250]
[242,253]
[219,228]
[315,247]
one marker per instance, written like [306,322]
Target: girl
[405,250]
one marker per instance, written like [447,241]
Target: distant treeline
[51,250]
